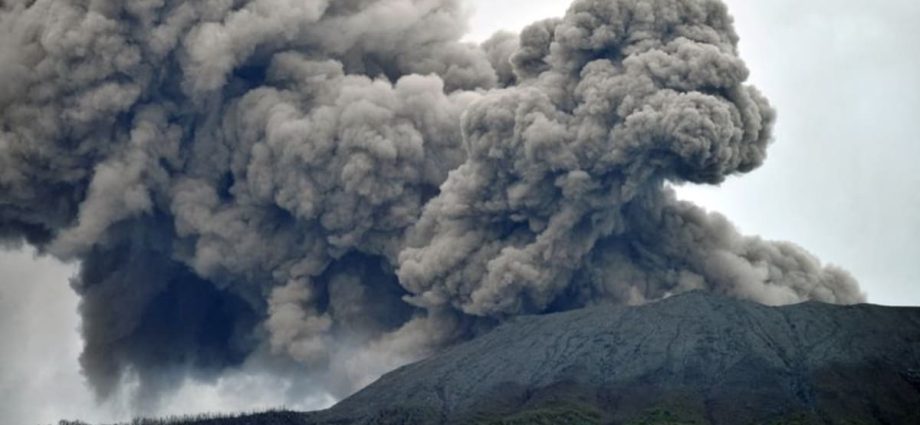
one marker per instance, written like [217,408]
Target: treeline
[273,417]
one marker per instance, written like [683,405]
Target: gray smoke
[344,186]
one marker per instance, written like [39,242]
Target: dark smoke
[345,185]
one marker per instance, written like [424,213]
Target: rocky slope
[696,358]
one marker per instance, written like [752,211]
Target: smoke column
[338,187]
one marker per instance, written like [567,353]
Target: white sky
[841,181]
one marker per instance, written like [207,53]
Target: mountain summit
[694,358]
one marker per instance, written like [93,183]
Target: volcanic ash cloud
[338,187]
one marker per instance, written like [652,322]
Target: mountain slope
[697,358]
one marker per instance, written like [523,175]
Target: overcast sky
[842,177]
[841,182]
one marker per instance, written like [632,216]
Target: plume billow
[332,183]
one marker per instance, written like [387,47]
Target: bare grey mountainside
[693,357]
[696,358]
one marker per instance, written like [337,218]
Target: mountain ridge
[683,344]
[695,358]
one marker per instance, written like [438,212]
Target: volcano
[696,358]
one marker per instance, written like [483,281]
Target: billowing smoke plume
[345,185]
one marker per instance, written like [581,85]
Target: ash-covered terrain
[696,358]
